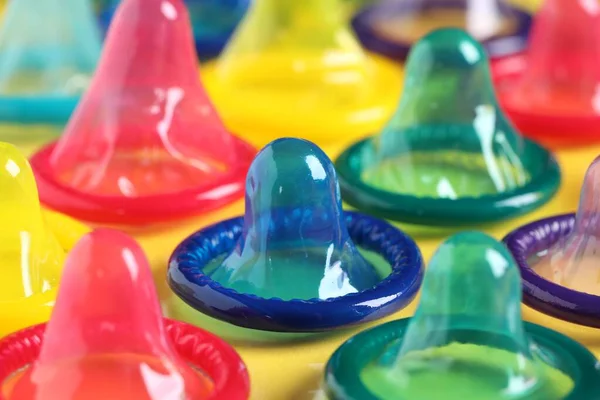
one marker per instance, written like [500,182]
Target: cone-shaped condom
[146,118]
[563,61]
[448,138]
[573,260]
[295,243]
[467,339]
[106,338]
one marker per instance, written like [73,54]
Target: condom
[213,21]
[448,156]
[48,51]
[558,258]
[550,92]
[301,59]
[145,145]
[465,341]
[107,339]
[295,254]
[32,258]
[391,27]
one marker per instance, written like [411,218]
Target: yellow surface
[294,68]
[33,246]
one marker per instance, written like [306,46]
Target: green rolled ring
[343,380]
[540,164]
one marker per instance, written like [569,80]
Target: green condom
[449,155]
[466,341]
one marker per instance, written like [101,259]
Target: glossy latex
[294,243]
[106,338]
[32,258]
[49,50]
[145,129]
[563,62]
[301,58]
[572,261]
[470,306]
[448,138]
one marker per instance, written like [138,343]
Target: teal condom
[466,341]
[449,155]
[48,52]
[295,242]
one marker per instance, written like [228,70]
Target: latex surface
[32,258]
[472,286]
[572,260]
[146,127]
[106,338]
[302,59]
[49,50]
[448,138]
[294,243]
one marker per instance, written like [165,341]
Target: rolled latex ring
[187,280]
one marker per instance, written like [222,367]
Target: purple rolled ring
[539,293]
[496,46]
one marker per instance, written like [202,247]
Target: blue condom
[48,52]
[295,261]
[213,21]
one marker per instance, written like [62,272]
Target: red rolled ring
[199,348]
[144,210]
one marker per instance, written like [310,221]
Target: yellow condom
[31,257]
[293,68]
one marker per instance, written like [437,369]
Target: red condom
[552,93]
[106,338]
[145,144]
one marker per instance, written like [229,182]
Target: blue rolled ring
[495,46]
[541,294]
[187,280]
